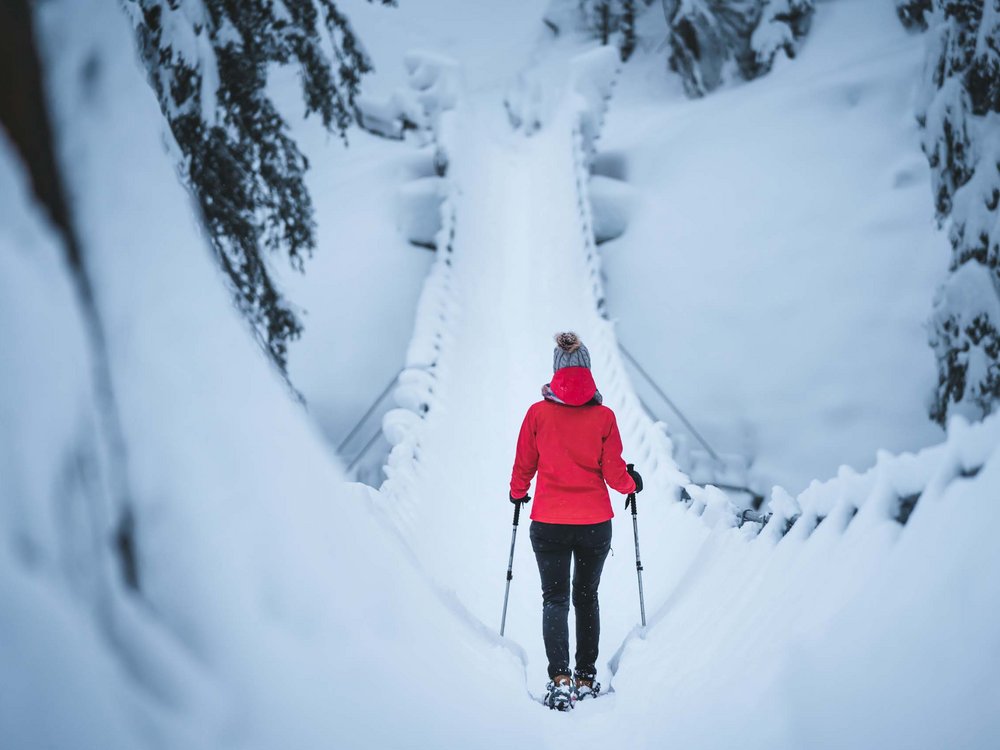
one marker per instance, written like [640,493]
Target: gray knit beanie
[569,352]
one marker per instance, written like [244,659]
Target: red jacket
[576,449]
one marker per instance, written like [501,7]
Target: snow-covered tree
[959,109]
[628,40]
[613,21]
[967,343]
[707,38]
[208,62]
[984,73]
[782,25]
[701,42]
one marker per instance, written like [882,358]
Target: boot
[586,686]
[560,693]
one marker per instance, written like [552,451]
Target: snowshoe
[587,686]
[560,693]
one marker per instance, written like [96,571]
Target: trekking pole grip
[517,512]
[631,495]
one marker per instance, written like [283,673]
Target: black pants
[554,545]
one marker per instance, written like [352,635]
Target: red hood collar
[574,386]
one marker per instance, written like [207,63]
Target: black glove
[517,500]
[630,468]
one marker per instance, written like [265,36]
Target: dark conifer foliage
[627,45]
[613,21]
[960,113]
[208,62]
[913,13]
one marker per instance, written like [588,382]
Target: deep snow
[281,606]
[781,258]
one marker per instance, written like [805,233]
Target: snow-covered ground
[282,607]
[781,257]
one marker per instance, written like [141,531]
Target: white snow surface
[281,606]
[781,258]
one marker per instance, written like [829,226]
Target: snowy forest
[279,281]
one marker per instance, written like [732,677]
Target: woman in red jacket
[572,441]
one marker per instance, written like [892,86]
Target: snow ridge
[415,392]
[838,612]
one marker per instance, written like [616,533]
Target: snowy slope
[781,257]
[50,444]
[256,626]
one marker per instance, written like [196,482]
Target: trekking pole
[638,563]
[510,566]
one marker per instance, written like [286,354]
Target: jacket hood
[573,386]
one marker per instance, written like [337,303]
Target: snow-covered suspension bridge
[738,620]
[517,262]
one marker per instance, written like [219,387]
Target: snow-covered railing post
[424,110]
[890,491]
[592,81]
[436,81]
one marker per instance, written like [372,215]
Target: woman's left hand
[630,468]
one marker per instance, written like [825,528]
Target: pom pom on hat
[569,352]
[569,342]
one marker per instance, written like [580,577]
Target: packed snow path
[520,268]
